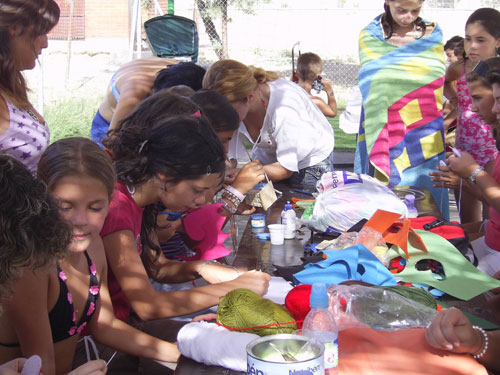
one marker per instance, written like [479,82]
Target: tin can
[258,221]
[285,354]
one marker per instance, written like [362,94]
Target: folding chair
[172,36]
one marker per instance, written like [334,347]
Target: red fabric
[124,214]
[365,351]
[297,302]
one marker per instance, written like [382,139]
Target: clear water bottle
[320,324]
[289,218]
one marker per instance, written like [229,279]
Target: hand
[13,367]
[328,88]
[231,174]
[250,175]
[204,317]
[97,367]
[451,330]
[256,281]
[463,166]
[445,178]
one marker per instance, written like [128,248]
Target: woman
[32,235]
[289,134]
[24,25]
[401,79]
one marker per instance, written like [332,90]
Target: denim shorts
[309,176]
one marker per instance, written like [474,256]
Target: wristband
[484,345]
[472,178]
[236,192]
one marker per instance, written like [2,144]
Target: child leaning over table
[309,69]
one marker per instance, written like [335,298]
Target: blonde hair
[234,79]
[309,65]
[37,17]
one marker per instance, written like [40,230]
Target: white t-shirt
[295,132]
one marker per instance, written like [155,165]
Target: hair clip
[196,114]
[481,69]
[142,145]
[209,169]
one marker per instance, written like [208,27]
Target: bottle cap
[410,201]
[288,206]
[319,297]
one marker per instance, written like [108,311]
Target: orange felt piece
[382,220]
[365,351]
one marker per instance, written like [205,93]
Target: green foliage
[71,117]
[343,141]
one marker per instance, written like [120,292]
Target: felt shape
[462,279]
[213,345]
[242,309]
[297,302]
[205,225]
[368,351]
[353,263]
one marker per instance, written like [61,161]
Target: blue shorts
[99,128]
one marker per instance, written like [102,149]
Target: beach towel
[401,137]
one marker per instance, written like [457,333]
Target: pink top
[25,138]
[124,214]
[473,134]
[493,224]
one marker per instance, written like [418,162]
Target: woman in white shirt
[288,133]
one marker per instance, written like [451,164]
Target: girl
[482,40]
[32,235]
[290,135]
[401,135]
[177,162]
[24,25]
[50,310]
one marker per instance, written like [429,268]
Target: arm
[452,74]
[329,109]
[131,93]
[128,268]
[451,330]
[276,172]
[28,313]
[115,333]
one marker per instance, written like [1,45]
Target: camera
[317,85]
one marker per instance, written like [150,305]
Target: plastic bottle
[320,324]
[288,218]
[410,204]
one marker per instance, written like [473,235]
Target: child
[309,69]
[454,44]
[482,40]
[50,309]
[32,235]
[177,161]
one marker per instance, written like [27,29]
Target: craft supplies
[289,219]
[277,232]
[285,354]
[258,222]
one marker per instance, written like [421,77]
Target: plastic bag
[357,306]
[345,198]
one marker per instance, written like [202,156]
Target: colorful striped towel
[401,137]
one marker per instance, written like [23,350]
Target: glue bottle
[410,204]
[289,218]
[320,324]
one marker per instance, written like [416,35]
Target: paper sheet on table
[463,280]
[278,289]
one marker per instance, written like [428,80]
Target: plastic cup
[277,232]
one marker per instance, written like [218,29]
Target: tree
[211,9]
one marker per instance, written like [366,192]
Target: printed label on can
[331,354]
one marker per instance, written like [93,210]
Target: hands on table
[457,167]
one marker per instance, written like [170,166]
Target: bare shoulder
[454,71]
[98,255]
[4,116]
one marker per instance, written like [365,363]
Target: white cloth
[295,133]
[488,259]
[350,118]
[213,345]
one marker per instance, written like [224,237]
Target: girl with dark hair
[178,162]
[401,135]
[33,234]
[24,25]
[51,309]
[482,41]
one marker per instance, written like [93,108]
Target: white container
[277,232]
[289,219]
[264,358]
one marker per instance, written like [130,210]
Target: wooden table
[255,254]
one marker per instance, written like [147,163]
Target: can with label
[285,354]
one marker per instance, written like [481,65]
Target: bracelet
[484,345]
[212,261]
[472,178]
[226,206]
[236,192]
[231,198]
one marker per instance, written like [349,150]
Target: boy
[309,68]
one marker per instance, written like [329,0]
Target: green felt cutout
[463,280]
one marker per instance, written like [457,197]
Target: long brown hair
[37,17]
[388,21]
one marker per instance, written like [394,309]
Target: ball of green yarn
[242,308]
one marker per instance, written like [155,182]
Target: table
[255,254]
